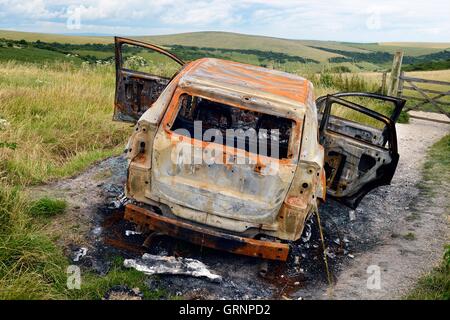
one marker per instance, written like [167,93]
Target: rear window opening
[254,131]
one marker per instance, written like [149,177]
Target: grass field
[60,119]
[409,48]
[56,122]
[32,36]
[33,54]
[320,51]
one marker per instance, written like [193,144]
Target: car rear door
[143,71]
[360,143]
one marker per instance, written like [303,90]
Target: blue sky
[343,20]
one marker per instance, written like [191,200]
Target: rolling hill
[251,48]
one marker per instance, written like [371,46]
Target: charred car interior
[221,117]
[297,151]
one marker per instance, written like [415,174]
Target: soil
[396,228]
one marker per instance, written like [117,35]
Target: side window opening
[357,125]
[136,58]
[269,130]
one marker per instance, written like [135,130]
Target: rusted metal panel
[136,94]
[248,86]
[240,76]
[247,192]
[206,237]
[137,91]
[358,157]
[240,198]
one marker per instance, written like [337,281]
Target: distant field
[320,51]
[34,55]
[436,45]
[360,61]
[48,37]
[240,41]
[406,48]
[443,75]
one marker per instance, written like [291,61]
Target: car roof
[247,79]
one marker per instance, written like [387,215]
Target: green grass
[434,285]
[436,177]
[409,236]
[34,55]
[59,118]
[94,287]
[95,53]
[47,207]
[436,170]
[31,265]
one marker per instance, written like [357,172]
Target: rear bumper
[204,236]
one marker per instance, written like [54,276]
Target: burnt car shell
[247,208]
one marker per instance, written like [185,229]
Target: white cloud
[32,9]
[350,20]
[201,13]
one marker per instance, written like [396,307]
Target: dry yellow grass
[56,120]
[440,75]
[51,37]
[435,45]
[58,117]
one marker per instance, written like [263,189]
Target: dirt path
[394,228]
[410,230]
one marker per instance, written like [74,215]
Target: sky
[340,20]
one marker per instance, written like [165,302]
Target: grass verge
[436,174]
[47,207]
[58,118]
[436,284]
[94,287]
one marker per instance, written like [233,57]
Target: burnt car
[237,157]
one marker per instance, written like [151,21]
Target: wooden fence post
[395,73]
[383,83]
[400,84]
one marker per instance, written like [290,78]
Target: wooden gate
[410,85]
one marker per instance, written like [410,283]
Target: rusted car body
[184,179]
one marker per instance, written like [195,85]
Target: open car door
[360,144]
[143,71]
